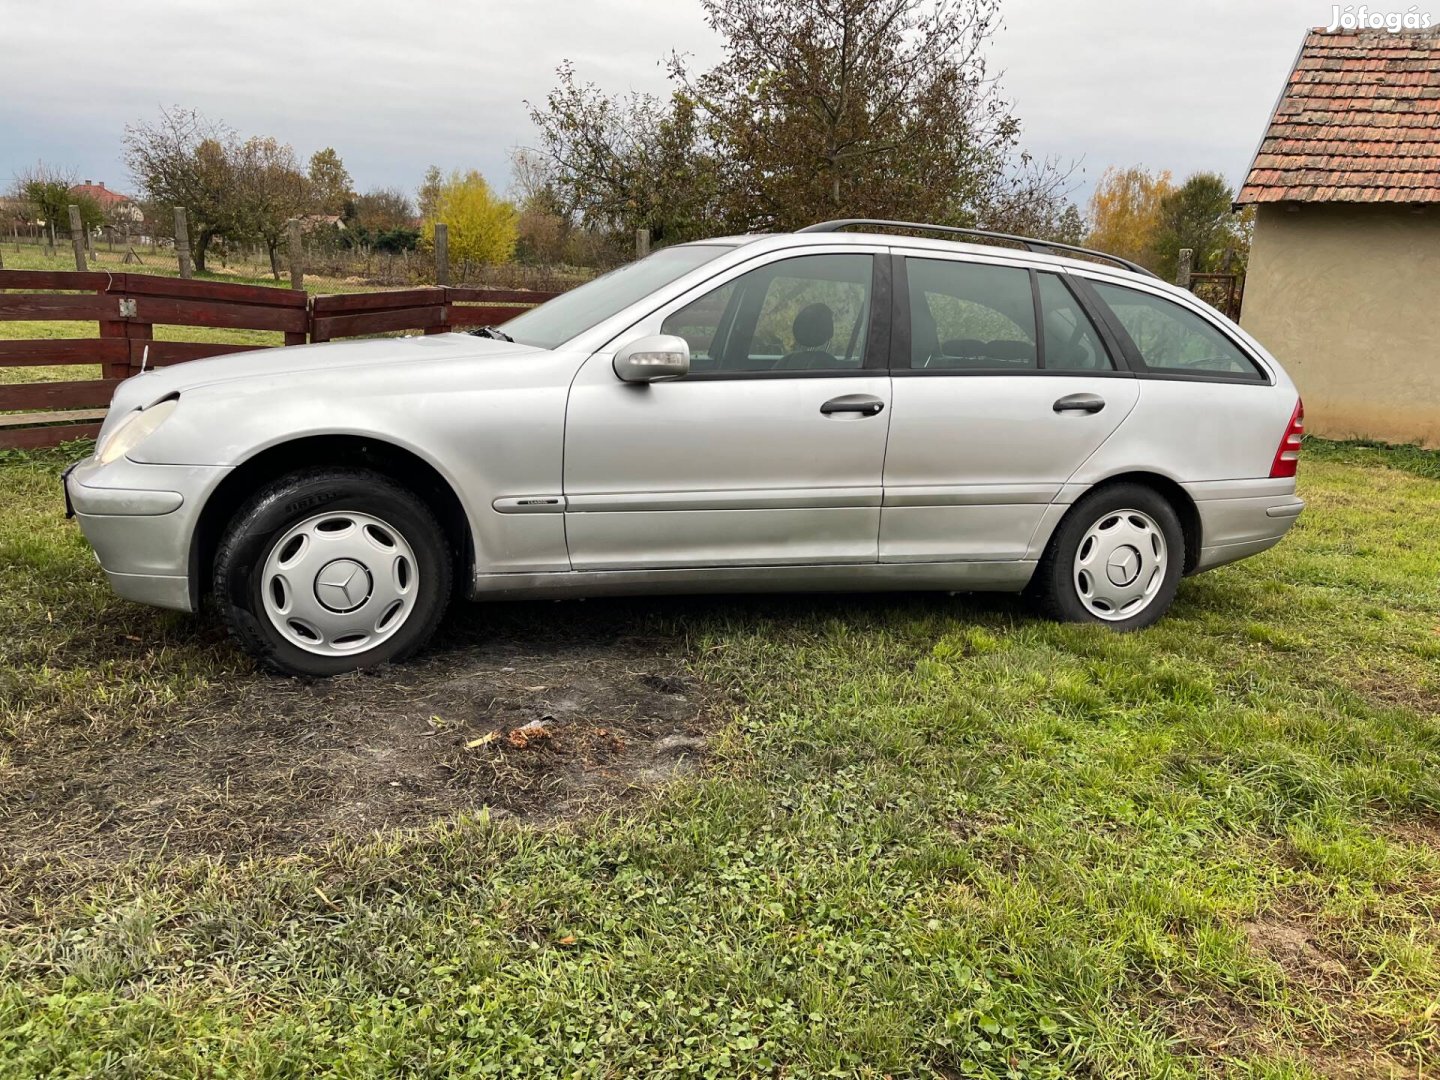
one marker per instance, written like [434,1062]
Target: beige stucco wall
[1348,299]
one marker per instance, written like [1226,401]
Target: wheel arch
[1173,493]
[328,451]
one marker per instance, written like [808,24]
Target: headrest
[814,326]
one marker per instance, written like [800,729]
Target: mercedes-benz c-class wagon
[823,410]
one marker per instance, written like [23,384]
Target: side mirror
[661,356]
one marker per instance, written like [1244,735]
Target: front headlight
[133,430]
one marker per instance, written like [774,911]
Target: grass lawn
[933,837]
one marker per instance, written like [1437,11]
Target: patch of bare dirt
[540,714]
[1294,938]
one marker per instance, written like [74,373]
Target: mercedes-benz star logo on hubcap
[342,585]
[1123,565]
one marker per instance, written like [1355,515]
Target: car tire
[326,572]
[1116,559]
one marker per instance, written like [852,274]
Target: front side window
[1173,340]
[970,316]
[810,313]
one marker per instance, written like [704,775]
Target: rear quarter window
[1172,340]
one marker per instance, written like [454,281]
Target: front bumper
[141,520]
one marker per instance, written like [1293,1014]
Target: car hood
[278,363]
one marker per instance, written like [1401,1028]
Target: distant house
[1343,283]
[320,222]
[118,209]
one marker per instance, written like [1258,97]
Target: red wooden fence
[127,307]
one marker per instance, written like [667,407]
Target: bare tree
[622,163]
[187,160]
[383,210]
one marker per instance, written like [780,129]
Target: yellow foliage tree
[1125,212]
[480,226]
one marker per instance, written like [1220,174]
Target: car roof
[775,241]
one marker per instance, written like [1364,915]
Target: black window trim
[877,337]
[900,339]
[1136,362]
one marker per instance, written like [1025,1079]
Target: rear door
[1003,387]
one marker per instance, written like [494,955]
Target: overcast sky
[1181,84]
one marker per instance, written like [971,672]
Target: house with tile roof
[118,209]
[1343,283]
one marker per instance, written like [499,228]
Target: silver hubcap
[339,583]
[1120,565]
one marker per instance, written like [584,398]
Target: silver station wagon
[823,410]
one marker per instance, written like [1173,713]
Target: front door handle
[864,404]
[1086,403]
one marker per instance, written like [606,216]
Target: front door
[769,453]
[992,410]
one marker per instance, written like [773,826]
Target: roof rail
[1029,243]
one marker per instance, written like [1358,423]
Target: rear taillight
[1287,457]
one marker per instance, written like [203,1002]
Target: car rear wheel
[1116,559]
[328,572]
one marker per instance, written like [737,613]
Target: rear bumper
[140,519]
[1240,518]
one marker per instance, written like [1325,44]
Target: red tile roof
[1358,122]
[101,194]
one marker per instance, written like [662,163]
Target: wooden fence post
[297,255]
[77,238]
[442,254]
[182,242]
[120,326]
[1182,272]
[642,243]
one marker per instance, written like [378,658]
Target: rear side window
[1175,341]
[1071,341]
[970,316]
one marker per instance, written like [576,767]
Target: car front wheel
[1116,558]
[327,572]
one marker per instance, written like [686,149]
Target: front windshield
[574,312]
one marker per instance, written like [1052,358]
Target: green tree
[270,190]
[480,225]
[429,193]
[49,193]
[329,182]
[879,108]
[1198,215]
[382,219]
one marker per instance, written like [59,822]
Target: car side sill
[1007,576]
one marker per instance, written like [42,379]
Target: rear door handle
[1086,403]
[864,404]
